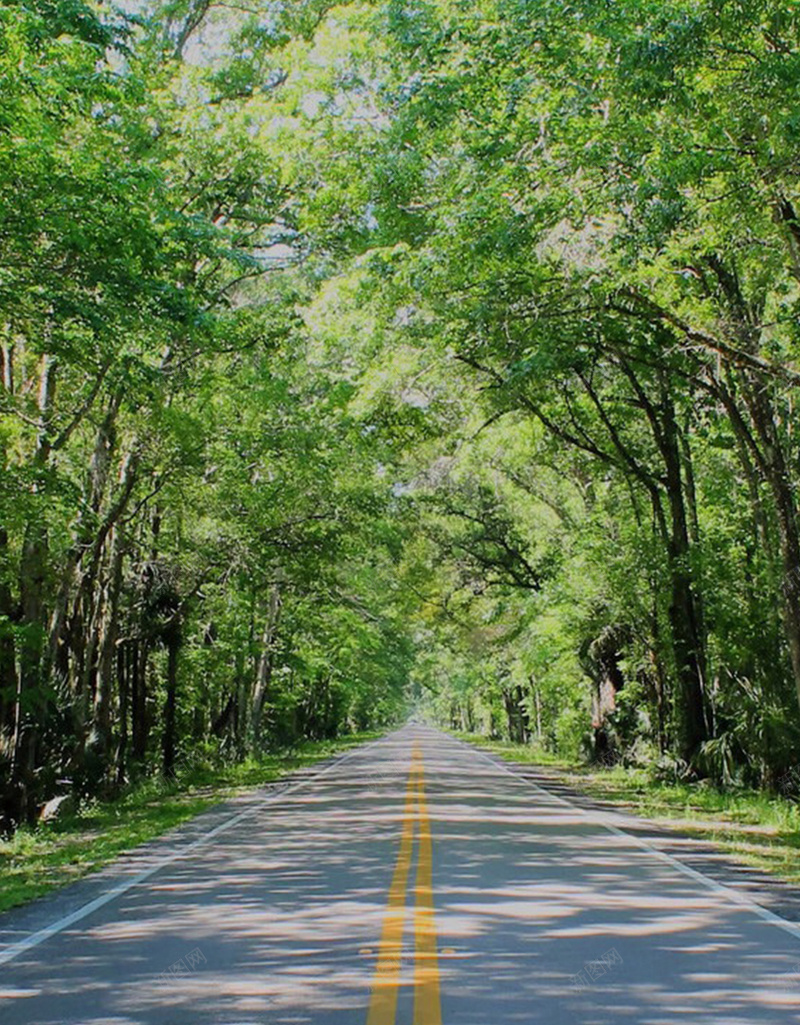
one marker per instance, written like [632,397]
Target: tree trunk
[685,620]
[123,677]
[140,652]
[8,668]
[107,639]
[9,691]
[265,662]
[515,715]
[170,705]
[537,700]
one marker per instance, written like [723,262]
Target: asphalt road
[414,881]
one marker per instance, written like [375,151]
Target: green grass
[37,860]
[513,752]
[757,828]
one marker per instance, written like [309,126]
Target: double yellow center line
[427,1004]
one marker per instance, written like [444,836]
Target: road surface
[414,881]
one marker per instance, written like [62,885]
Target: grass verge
[757,828]
[34,861]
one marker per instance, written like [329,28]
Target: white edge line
[598,817]
[13,950]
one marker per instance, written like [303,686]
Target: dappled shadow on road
[688,839]
[534,893]
[279,909]
[277,922]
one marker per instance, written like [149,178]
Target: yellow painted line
[427,1002]
[383,1003]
